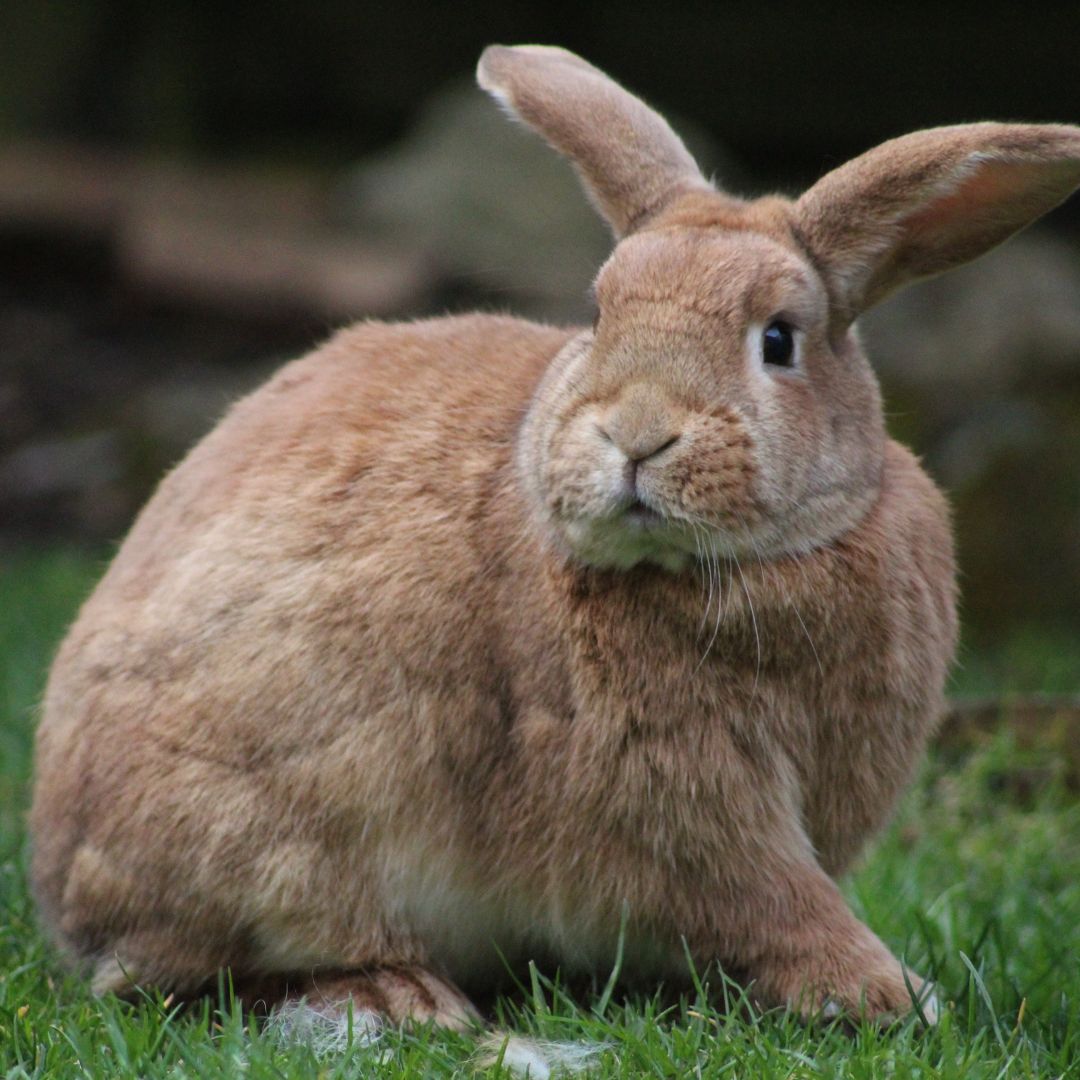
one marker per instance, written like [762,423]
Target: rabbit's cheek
[583,472]
[715,482]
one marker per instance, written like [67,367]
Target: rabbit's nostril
[642,453]
[666,446]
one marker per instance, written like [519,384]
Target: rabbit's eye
[778,344]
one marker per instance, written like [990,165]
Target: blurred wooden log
[259,240]
[62,187]
[1046,722]
[262,266]
[1030,717]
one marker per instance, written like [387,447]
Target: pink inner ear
[989,185]
[994,200]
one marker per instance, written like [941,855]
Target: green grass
[973,888]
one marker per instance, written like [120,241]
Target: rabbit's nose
[642,452]
[639,448]
[641,425]
[642,447]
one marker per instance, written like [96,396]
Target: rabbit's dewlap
[471,638]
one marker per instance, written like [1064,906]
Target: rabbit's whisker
[701,542]
[712,562]
[753,622]
[789,594]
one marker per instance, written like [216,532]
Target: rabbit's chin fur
[631,536]
[406,668]
[647,533]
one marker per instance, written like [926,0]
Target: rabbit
[471,641]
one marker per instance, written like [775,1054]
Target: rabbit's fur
[472,637]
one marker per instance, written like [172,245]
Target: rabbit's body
[474,639]
[468,726]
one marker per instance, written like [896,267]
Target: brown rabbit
[463,637]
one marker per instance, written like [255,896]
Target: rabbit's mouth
[640,516]
[627,535]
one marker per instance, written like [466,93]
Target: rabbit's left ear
[929,201]
[629,159]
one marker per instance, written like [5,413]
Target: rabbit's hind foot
[399,995]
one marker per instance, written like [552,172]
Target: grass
[972,886]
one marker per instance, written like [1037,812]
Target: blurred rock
[495,206]
[981,370]
[498,208]
[987,328]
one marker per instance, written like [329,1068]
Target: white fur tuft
[502,99]
[539,1059]
[326,1033]
[931,1009]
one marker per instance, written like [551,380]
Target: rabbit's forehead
[732,274]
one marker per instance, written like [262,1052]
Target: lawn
[977,883]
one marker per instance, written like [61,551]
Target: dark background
[191,193]
[790,87]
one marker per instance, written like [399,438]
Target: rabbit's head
[721,402]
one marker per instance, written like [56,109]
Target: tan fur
[461,638]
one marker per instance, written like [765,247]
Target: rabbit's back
[378,430]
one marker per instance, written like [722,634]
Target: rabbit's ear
[631,162]
[929,201]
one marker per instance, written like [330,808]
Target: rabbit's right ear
[631,163]
[929,201]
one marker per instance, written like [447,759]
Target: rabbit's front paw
[859,982]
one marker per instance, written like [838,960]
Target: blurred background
[192,193]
